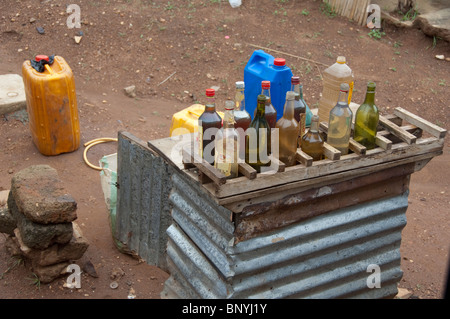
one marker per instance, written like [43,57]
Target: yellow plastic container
[186,121]
[52,107]
[333,76]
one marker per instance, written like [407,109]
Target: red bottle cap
[210,92]
[279,62]
[265,84]
[295,80]
[41,57]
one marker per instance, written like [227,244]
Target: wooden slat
[204,167]
[303,158]
[383,142]
[420,122]
[330,152]
[280,165]
[356,147]
[397,130]
[247,170]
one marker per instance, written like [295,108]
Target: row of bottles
[231,141]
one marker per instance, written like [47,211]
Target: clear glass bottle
[312,141]
[366,119]
[288,131]
[241,117]
[258,138]
[227,144]
[340,122]
[209,123]
[270,111]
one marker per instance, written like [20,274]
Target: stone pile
[39,219]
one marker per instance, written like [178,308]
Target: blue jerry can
[264,67]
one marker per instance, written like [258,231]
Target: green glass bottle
[258,139]
[366,119]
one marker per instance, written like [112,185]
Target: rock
[440,57]
[130,91]
[40,236]
[40,196]
[77,39]
[47,274]
[40,30]
[56,253]
[7,221]
[12,94]
[89,268]
[403,293]
[32,20]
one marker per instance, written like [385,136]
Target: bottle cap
[341,60]
[41,57]
[265,84]
[229,105]
[210,92]
[290,95]
[344,87]
[295,80]
[240,85]
[279,62]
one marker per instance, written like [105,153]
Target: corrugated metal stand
[310,231]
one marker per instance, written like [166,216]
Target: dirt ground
[172,51]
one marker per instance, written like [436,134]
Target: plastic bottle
[264,67]
[288,128]
[340,123]
[52,105]
[227,145]
[333,76]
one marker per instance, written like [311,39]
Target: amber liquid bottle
[366,119]
[288,131]
[340,123]
[270,112]
[312,141]
[209,123]
[241,117]
[227,145]
[299,108]
[258,138]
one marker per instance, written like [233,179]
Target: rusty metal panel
[143,208]
[325,256]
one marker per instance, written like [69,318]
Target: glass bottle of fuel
[209,123]
[312,141]
[288,131]
[227,144]
[366,119]
[340,122]
[299,108]
[258,138]
[270,111]
[242,119]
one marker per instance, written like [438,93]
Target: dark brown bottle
[270,112]
[208,125]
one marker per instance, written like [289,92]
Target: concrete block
[12,93]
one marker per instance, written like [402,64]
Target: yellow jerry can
[186,121]
[51,104]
